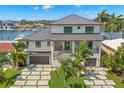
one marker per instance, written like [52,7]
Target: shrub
[57,79]
[75,82]
[8,77]
[11,73]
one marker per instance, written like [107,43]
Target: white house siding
[97,55]
[7,26]
[60,28]
[43,47]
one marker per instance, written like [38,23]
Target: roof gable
[74,19]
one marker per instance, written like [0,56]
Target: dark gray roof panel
[74,37]
[42,34]
[74,19]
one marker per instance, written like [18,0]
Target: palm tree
[66,67]
[113,23]
[2,78]
[18,55]
[103,17]
[83,52]
[4,58]
[122,26]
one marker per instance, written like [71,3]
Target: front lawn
[116,79]
[76,82]
[58,81]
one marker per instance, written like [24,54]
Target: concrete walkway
[34,76]
[97,78]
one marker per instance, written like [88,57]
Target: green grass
[116,79]
[76,82]
[58,81]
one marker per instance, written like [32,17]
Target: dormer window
[89,29]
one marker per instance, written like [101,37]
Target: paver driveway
[97,78]
[34,76]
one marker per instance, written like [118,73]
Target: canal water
[12,35]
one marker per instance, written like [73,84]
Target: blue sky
[37,12]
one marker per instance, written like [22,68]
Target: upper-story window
[27,43]
[67,30]
[89,29]
[38,44]
[48,43]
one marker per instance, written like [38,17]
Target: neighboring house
[24,27]
[111,46]
[62,38]
[6,47]
[8,25]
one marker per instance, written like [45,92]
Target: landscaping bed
[116,79]
[8,77]
[58,81]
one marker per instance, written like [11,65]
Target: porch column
[63,45]
[99,63]
[73,46]
[52,52]
[28,60]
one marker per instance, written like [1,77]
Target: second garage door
[39,59]
[91,62]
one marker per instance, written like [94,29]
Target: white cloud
[47,7]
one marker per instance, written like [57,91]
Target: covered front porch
[65,49]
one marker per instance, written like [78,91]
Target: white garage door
[39,59]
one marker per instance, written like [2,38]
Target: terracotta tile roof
[6,47]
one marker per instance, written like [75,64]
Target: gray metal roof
[74,37]
[42,34]
[74,19]
[8,21]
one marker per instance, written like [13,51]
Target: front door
[67,46]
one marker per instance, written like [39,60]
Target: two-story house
[8,25]
[62,38]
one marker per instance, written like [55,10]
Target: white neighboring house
[62,38]
[8,25]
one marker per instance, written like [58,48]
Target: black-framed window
[89,29]
[27,43]
[67,30]
[38,44]
[48,43]
[90,44]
